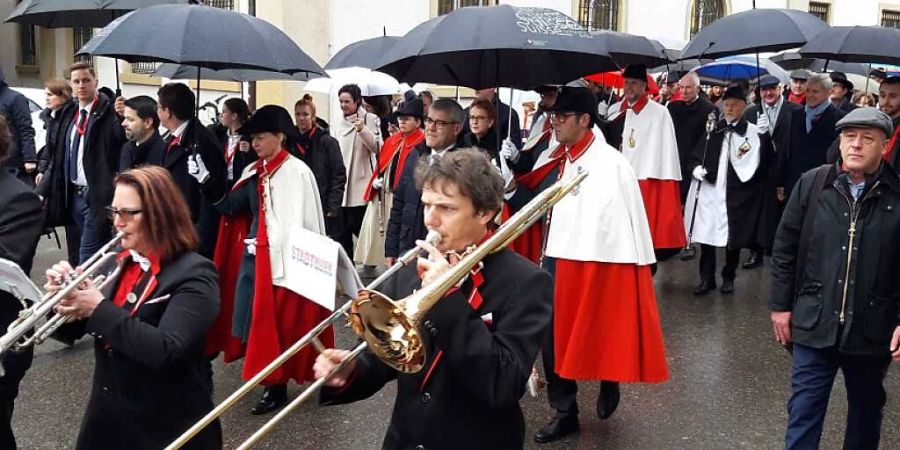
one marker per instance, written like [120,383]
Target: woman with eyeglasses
[482,132]
[148,323]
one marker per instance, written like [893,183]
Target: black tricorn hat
[636,71]
[735,92]
[268,119]
[413,108]
[576,99]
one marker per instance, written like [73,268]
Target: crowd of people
[202,215]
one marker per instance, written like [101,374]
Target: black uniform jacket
[148,385]
[470,400]
[152,151]
[873,294]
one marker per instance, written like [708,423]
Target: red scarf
[798,99]
[132,274]
[404,143]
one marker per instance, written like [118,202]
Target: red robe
[397,141]
[227,258]
[662,201]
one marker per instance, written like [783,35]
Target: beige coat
[360,151]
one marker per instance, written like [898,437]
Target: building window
[224,4]
[599,14]
[890,19]
[28,45]
[705,12]
[445,6]
[80,37]
[820,10]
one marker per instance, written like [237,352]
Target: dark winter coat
[815,146]
[503,112]
[152,151]
[15,109]
[690,130]
[322,153]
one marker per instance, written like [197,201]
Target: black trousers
[15,364]
[351,222]
[561,392]
[708,263]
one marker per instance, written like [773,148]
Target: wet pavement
[730,383]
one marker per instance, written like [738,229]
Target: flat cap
[800,74]
[769,81]
[867,117]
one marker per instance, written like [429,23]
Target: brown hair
[485,106]
[470,169]
[59,87]
[307,100]
[81,65]
[167,220]
[4,139]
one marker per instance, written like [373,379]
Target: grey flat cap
[800,74]
[769,81]
[867,117]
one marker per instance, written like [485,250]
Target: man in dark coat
[21,223]
[481,340]
[689,115]
[841,92]
[835,291]
[732,172]
[889,103]
[187,136]
[787,129]
[322,153]
[79,184]
[141,124]
[22,159]
[443,124]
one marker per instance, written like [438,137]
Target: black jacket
[322,153]
[502,121]
[152,151]
[148,384]
[15,109]
[690,129]
[471,398]
[240,160]
[103,144]
[816,297]
[51,128]
[815,146]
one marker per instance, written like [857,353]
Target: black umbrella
[627,49]
[184,72]
[856,44]
[366,53]
[494,46]
[754,31]
[793,61]
[78,13]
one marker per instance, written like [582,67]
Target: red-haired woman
[149,323]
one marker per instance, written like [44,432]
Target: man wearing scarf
[730,175]
[821,117]
[797,92]
[599,250]
[380,191]
[643,131]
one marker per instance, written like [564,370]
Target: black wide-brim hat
[413,108]
[268,119]
[576,99]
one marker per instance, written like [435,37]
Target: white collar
[143,261]
[180,130]
[441,152]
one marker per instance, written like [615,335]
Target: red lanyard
[82,127]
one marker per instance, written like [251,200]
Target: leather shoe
[688,253]
[727,286]
[753,261]
[273,397]
[704,287]
[561,426]
[608,400]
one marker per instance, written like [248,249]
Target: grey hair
[449,105]
[821,79]
[693,77]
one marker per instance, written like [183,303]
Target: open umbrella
[78,13]
[627,49]
[614,79]
[856,44]
[185,72]
[366,53]
[733,68]
[370,82]
[793,60]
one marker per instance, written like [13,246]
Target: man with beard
[889,103]
[141,123]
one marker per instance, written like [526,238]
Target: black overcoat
[815,147]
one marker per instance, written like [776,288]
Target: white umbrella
[369,81]
[862,83]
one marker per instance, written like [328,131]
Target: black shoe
[688,253]
[608,400]
[753,261]
[704,287]
[561,426]
[727,286]
[273,397]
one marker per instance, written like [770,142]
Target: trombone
[390,328]
[16,338]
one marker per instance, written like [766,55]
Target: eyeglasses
[439,124]
[126,214]
[561,116]
[478,118]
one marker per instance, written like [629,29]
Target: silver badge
[131,297]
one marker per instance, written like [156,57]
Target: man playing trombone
[482,337]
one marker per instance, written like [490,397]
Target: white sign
[14,281]
[315,265]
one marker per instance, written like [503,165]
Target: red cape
[388,150]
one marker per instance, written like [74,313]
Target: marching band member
[481,339]
[149,324]
[380,191]
[273,194]
[599,249]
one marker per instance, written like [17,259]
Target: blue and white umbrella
[731,68]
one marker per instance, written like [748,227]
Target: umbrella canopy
[856,44]
[756,30]
[614,79]
[366,53]
[733,68]
[793,60]
[200,36]
[370,82]
[864,83]
[500,45]
[184,72]
[627,49]
[78,13]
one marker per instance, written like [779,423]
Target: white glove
[762,122]
[505,173]
[251,246]
[197,169]
[378,183]
[699,173]
[509,151]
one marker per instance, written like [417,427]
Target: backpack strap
[809,215]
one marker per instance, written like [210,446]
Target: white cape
[655,151]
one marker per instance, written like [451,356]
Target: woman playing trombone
[149,323]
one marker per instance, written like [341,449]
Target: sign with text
[315,265]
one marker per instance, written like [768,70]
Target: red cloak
[662,201]
[397,141]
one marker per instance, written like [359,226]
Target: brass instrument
[391,328]
[16,337]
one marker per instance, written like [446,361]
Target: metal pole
[251,88]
